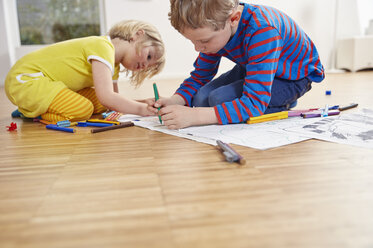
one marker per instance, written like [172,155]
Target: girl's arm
[115,87]
[104,91]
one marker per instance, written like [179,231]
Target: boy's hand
[167,101]
[176,116]
[163,101]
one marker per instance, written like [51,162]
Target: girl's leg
[285,94]
[90,93]
[204,97]
[68,105]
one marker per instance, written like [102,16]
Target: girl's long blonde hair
[126,30]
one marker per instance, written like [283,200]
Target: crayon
[64,129]
[65,123]
[113,116]
[46,122]
[156,99]
[325,111]
[93,124]
[268,117]
[107,113]
[230,154]
[314,115]
[122,125]
[103,121]
[352,105]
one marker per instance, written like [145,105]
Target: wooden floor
[137,188]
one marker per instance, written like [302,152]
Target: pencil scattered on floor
[121,125]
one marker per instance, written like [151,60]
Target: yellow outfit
[37,78]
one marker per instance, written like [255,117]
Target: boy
[276,62]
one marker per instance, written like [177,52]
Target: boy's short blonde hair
[200,13]
[126,30]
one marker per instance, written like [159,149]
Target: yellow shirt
[39,76]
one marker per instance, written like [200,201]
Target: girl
[56,82]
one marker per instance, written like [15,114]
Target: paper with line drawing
[259,136]
[353,129]
[348,128]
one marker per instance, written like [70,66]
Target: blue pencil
[64,129]
[93,124]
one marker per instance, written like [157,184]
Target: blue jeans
[229,86]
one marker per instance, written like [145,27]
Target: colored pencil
[63,129]
[156,99]
[268,117]
[103,121]
[121,125]
[352,105]
[230,154]
[93,124]
[314,115]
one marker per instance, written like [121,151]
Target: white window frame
[14,35]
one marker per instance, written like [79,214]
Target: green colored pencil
[156,99]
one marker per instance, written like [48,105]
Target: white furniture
[355,53]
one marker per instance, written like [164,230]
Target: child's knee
[98,109]
[214,100]
[200,99]
[84,112]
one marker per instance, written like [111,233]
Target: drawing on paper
[354,129]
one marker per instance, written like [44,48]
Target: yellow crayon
[103,121]
[268,117]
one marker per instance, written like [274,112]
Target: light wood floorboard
[134,187]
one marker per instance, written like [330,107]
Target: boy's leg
[285,94]
[90,93]
[206,97]
[226,93]
[68,105]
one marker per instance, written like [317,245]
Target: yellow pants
[73,106]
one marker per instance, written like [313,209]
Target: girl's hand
[147,110]
[150,105]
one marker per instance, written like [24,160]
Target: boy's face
[206,39]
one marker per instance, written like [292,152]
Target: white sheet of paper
[348,128]
[259,136]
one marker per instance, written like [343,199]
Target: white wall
[6,51]
[180,53]
[316,17]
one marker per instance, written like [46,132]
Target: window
[49,21]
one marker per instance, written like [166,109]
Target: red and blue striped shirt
[268,44]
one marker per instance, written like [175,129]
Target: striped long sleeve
[268,44]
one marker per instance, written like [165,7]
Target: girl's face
[147,57]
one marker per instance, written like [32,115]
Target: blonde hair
[126,30]
[199,13]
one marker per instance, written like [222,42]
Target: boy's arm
[206,67]
[263,53]
[104,91]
